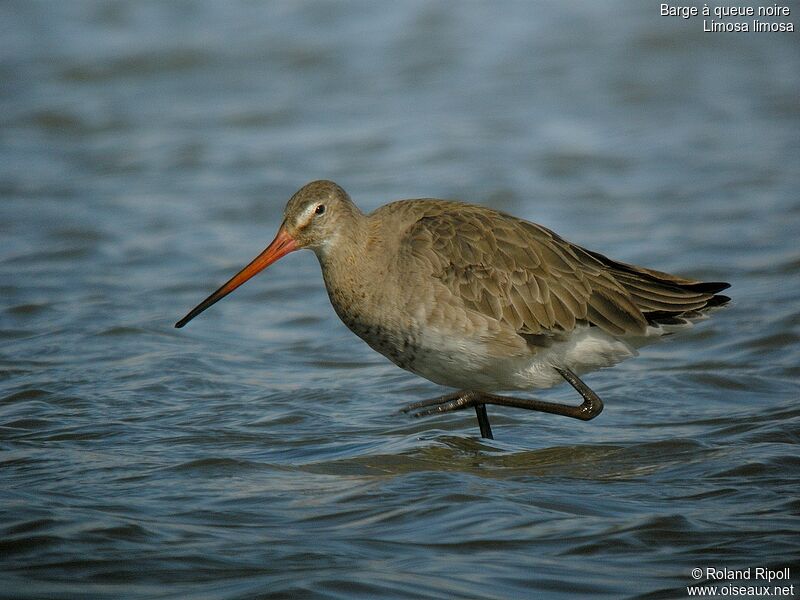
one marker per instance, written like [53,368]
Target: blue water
[146,152]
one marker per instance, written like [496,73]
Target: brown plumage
[473,298]
[528,277]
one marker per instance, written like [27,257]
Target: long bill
[280,246]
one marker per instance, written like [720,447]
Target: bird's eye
[320,209]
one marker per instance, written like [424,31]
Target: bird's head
[316,217]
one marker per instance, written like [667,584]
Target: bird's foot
[450,402]
[442,404]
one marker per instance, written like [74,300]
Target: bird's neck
[346,245]
[347,268]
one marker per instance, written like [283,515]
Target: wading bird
[475,299]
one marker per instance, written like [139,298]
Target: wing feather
[527,277]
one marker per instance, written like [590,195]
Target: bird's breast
[381,321]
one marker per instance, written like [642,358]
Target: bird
[478,300]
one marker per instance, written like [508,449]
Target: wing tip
[707,287]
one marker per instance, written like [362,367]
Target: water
[146,152]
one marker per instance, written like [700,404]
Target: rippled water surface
[146,152]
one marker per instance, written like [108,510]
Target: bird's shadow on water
[442,452]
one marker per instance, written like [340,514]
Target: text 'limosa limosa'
[475,299]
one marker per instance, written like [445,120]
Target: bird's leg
[589,409]
[483,421]
[591,406]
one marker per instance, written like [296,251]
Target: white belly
[467,364]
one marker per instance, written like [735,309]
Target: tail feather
[666,299]
[708,287]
